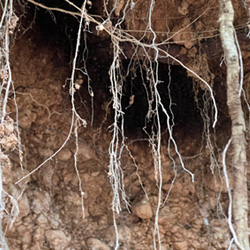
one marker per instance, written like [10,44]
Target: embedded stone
[64,155]
[143,209]
[96,244]
[57,239]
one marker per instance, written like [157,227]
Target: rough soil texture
[50,206]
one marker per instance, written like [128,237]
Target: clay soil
[50,216]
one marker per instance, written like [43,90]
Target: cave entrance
[177,96]
[176,89]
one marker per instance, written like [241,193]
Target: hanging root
[155,106]
[8,130]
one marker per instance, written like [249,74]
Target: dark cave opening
[136,93]
[176,93]
[59,31]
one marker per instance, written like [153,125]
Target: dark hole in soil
[137,93]
[174,84]
[60,31]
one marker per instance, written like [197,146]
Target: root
[8,139]
[146,54]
